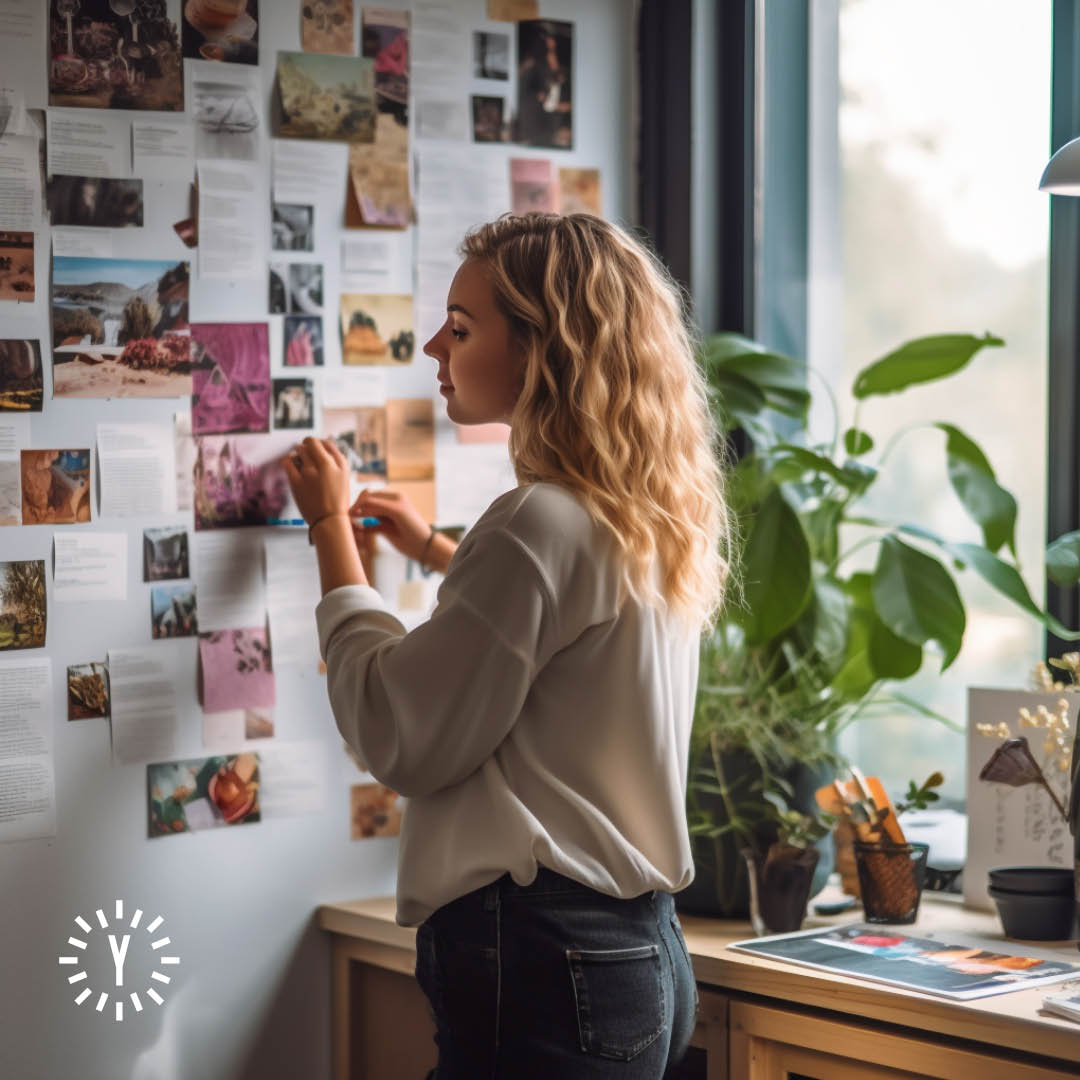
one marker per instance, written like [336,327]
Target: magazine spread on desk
[949,968]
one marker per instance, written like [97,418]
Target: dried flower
[1012,763]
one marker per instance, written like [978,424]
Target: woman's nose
[431,349]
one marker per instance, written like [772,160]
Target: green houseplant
[809,646]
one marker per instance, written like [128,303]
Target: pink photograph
[235,669]
[231,380]
[239,480]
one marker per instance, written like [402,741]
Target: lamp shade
[1062,173]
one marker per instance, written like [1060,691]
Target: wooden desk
[758,1020]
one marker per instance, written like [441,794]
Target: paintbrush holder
[891,878]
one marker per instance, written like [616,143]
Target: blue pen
[366,522]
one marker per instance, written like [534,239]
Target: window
[929,127]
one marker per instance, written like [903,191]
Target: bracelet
[427,545]
[333,513]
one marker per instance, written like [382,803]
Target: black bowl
[1035,917]
[1042,880]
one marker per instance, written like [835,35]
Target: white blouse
[533,718]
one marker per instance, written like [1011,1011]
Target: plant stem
[725,794]
[1057,801]
[851,550]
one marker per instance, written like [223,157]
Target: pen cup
[891,880]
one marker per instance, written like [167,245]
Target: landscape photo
[231,381]
[21,385]
[377,329]
[16,265]
[323,96]
[22,604]
[94,201]
[165,553]
[120,328]
[173,611]
[239,480]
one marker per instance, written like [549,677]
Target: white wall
[251,998]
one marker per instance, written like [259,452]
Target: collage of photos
[120,328]
[202,793]
[23,614]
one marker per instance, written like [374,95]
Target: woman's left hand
[318,476]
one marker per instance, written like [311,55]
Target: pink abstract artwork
[236,669]
[231,381]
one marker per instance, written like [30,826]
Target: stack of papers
[1064,1005]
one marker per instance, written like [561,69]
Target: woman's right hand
[402,524]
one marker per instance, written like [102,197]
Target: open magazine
[960,971]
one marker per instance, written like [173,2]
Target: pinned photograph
[360,434]
[533,186]
[378,192]
[377,329]
[120,328]
[22,604]
[491,55]
[238,480]
[303,341]
[225,107]
[384,38]
[172,611]
[580,192]
[410,439]
[16,265]
[225,30]
[321,96]
[235,669]
[327,27]
[545,65]
[202,793]
[21,385]
[487,117]
[231,382]
[114,54]
[95,202]
[88,691]
[165,553]
[296,288]
[294,403]
[293,227]
[55,486]
[374,810]
[512,10]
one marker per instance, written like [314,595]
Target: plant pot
[891,880]
[1035,903]
[780,887]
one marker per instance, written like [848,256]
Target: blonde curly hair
[613,403]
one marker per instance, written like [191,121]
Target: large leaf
[917,599]
[775,570]
[919,361]
[856,677]
[972,478]
[793,461]
[857,442]
[780,380]
[1063,560]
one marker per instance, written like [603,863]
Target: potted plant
[808,645]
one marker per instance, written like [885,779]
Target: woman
[539,721]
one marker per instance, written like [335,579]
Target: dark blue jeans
[556,980]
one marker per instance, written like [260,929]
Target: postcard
[95,202]
[55,486]
[374,810]
[239,480]
[90,566]
[202,793]
[533,186]
[327,27]
[360,433]
[488,123]
[296,288]
[545,65]
[231,380]
[303,341]
[165,553]
[225,102]
[23,614]
[236,671]
[377,329]
[114,54]
[491,55]
[224,30]
[294,403]
[173,612]
[17,266]
[580,192]
[120,328]
[972,969]
[292,227]
[384,38]
[21,384]
[88,691]
[321,96]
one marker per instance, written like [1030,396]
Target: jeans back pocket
[619,995]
